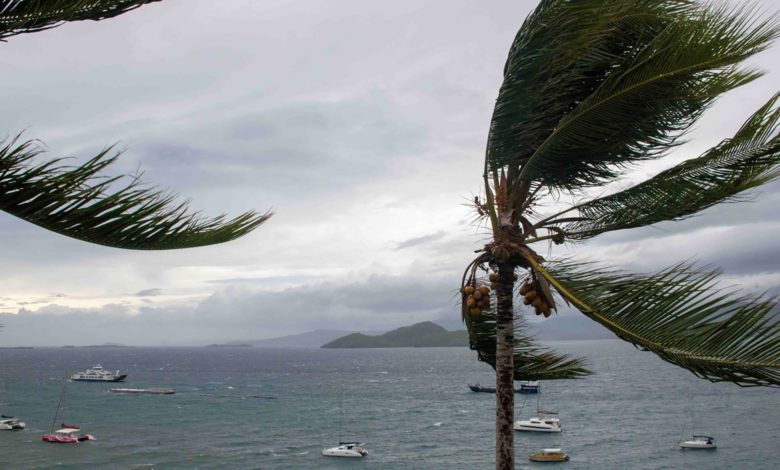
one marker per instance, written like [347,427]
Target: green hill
[420,335]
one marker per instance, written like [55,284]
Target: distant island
[420,335]
[230,345]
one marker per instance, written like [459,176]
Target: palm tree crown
[590,88]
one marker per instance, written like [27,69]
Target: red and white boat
[69,434]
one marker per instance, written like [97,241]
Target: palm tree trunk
[505,393]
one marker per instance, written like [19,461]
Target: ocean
[258,408]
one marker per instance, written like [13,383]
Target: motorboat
[98,374]
[143,391]
[549,455]
[346,449]
[699,442]
[67,435]
[539,424]
[9,423]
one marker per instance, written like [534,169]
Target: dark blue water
[410,406]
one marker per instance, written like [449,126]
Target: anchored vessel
[699,442]
[98,374]
[68,433]
[549,455]
[346,449]
[9,423]
[525,387]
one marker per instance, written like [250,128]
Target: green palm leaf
[80,203]
[680,315]
[747,160]
[591,86]
[27,16]
[531,362]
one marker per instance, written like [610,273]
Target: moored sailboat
[67,433]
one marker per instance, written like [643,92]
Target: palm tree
[78,201]
[590,88]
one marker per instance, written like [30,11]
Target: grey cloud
[420,240]
[236,313]
[148,292]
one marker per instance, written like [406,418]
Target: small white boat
[699,442]
[346,449]
[539,424]
[549,455]
[9,423]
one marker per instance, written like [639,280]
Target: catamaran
[68,433]
[8,423]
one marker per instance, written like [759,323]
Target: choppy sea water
[410,406]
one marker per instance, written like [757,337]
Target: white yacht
[699,442]
[9,423]
[346,449]
[98,374]
[539,424]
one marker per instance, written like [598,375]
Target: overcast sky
[361,124]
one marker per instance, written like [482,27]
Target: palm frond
[28,16]
[531,362]
[80,203]
[747,160]
[682,316]
[591,86]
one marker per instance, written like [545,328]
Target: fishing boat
[549,455]
[143,391]
[346,449]
[699,442]
[67,433]
[98,374]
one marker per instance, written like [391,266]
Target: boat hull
[143,391]
[120,378]
[547,458]
[697,445]
[536,429]
[55,439]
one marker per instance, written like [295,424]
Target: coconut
[468,290]
[475,312]
[485,290]
[493,277]
[477,294]
[530,295]
[525,288]
[538,303]
[470,301]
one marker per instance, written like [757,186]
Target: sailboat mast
[59,403]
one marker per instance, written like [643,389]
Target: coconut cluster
[533,295]
[476,299]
